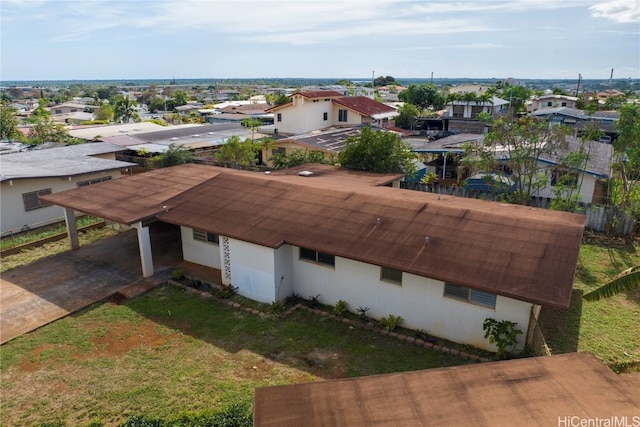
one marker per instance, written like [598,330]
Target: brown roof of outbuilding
[363,105]
[541,391]
[515,251]
[133,198]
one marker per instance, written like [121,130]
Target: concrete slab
[51,288]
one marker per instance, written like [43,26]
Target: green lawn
[171,351]
[608,328]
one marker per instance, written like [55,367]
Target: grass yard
[171,351]
[609,328]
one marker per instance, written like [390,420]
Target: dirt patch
[327,364]
[123,338]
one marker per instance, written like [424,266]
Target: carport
[133,201]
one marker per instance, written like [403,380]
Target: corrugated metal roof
[60,161]
[565,389]
[515,251]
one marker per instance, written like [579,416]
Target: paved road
[51,288]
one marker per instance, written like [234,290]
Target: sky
[350,39]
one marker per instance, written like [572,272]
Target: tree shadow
[561,326]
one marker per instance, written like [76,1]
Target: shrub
[341,308]
[293,299]
[227,292]
[177,274]
[362,311]
[277,307]
[391,322]
[502,333]
[314,301]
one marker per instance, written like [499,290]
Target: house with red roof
[314,110]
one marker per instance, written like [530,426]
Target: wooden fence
[597,218]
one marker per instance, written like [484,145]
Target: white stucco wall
[420,301]
[586,190]
[353,117]
[13,214]
[199,252]
[253,270]
[304,115]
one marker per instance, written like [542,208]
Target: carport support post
[72,228]
[144,243]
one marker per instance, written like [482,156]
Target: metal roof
[60,161]
[565,389]
[91,132]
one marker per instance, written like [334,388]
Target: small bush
[341,308]
[177,274]
[293,299]
[227,292]
[502,333]
[362,311]
[314,301]
[277,307]
[391,322]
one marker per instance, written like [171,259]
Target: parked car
[490,183]
[442,134]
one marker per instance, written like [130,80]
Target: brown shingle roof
[515,251]
[541,391]
[131,199]
[363,105]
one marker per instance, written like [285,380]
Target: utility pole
[373,79]
[578,86]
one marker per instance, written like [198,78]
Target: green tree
[180,98]
[124,109]
[253,124]
[615,102]
[517,97]
[104,113]
[298,157]
[423,96]
[384,81]
[626,162]
[8,123]
[627,280]
[407,117]
[175,155]
[238,154]
[517,146]
[378,151]
[43,129]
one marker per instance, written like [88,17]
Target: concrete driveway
[51,288]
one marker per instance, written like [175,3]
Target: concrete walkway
[51,288]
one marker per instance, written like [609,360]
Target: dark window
[342,115]
[205,236]
[549,103]
[279,150]
[32,200]
[564,104]
[318,257]
[58,111]
[325,116]
[474,296]
[279,117]
[391,275]
[93,181]
[560,176]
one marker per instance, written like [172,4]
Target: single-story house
[580,119]
[71,107]
[444,264]
[564,390]
[26,176]
[308,111]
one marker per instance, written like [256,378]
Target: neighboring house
[580,119]
[28,175]
[187,109]
[574,389]
[329,141]
[553,101]
[471,109]
[308,111]
[469,88]
[71,107]
[239,112]
[444,264]
[606,94]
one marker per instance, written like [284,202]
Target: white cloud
[621,11]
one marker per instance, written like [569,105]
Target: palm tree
[124,109]
[627,280]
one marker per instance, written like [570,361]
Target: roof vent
[305,173]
